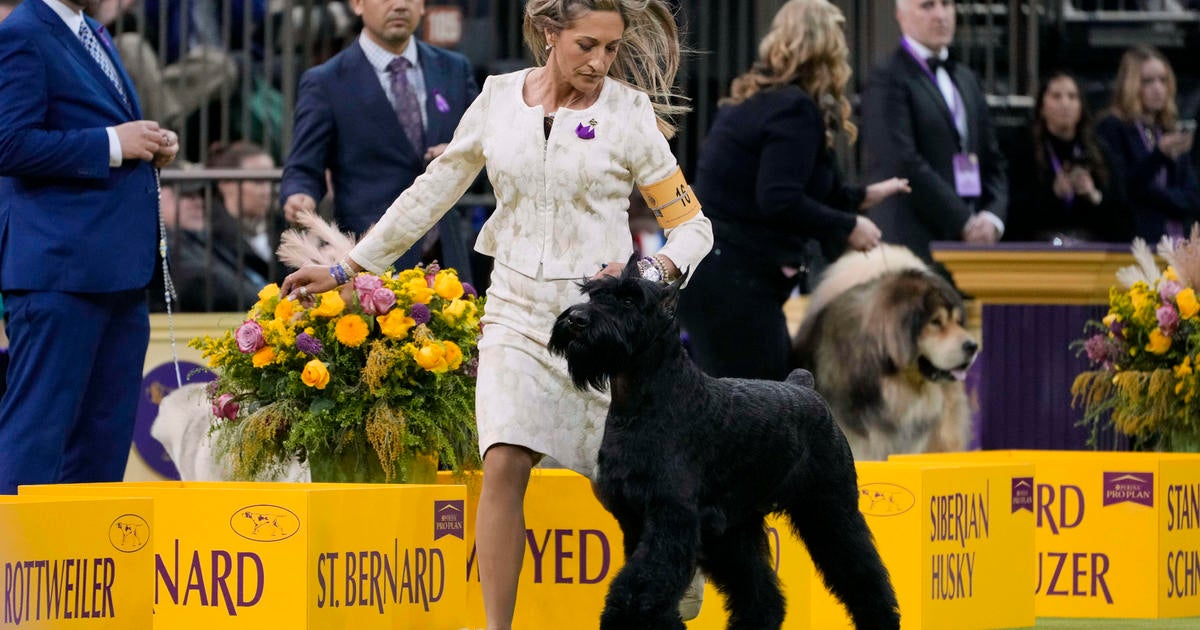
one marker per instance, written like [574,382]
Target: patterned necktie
[408,108]
[106,64]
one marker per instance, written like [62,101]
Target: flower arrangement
[1146,351]
[377,374]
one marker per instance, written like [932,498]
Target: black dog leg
[825,515]
[738,563]
[645,594]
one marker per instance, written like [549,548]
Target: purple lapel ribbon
[440,103]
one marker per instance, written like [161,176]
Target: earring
[549,46]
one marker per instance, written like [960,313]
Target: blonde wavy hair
[647,58]
[805,46]
[1127,95]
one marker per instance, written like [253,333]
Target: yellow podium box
[1118,534]
[574,548]
[956,540]
[320,556]
[76,562]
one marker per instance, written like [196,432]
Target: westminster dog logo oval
[129,533]
[884,499]
[264,523]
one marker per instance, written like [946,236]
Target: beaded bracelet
[339,274]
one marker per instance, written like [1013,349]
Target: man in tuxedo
[375,115]
[78,232]
[926,119]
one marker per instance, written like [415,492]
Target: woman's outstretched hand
[882,190]
[308,281]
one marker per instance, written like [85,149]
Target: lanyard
[1056,164]
[956,105]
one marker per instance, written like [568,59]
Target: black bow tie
[934,63]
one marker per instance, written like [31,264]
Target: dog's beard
[594,352]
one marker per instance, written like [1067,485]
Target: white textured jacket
[561,204]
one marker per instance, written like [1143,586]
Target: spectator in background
[205,270]
[374,116]
[196,24]
[242,214]
[6,7]
[1151,146]
[1060,185]
[770,183]
[926,119]
[169,93]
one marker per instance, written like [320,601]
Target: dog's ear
[631,268]
[670,299]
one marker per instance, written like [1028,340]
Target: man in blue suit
[374,115]
[78,232]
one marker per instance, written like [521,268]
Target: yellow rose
[284,310]
[446,284]
[268,292]
[419,290]
[315,374]
[1188,306]
[1159,343]
[351,330]
[1110,319]
[395,324]
[329,304]
[453,355]
[263,357]
[457,310]
[1170,274]
[432,357]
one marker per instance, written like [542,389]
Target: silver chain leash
[169,294]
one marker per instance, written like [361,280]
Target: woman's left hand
[882,190]
[306,282]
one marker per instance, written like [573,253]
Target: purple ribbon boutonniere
[105,38]
[440,103]
[588,131]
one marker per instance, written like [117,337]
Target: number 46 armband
[671,200]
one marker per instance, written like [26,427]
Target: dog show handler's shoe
[693,597]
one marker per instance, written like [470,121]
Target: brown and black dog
[883,335]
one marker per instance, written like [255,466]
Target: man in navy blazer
[348,121]
[925,118]
[78,232]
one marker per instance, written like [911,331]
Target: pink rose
[249,337]
[377,302]
[225,407]
[1168,319]
[1169,289]
[366,283]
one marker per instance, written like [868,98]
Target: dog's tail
[824,513]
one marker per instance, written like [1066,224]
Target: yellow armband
[671,200]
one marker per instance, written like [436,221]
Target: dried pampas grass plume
[1146,269]
[319,243]
[1184,256]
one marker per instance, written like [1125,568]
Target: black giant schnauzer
[690,466]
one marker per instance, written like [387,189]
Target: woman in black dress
[770,184]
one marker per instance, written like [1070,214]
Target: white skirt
[524,395]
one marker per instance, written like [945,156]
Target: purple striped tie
[408,108]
